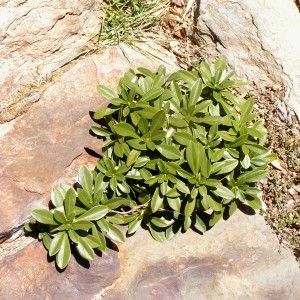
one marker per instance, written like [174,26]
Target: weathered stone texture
[28,275]
[37,38]
[259,40]
[49,142]
[237,259]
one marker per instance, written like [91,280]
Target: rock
[28,275]
[31,53]
[46,146]
[259,46]
[237,259]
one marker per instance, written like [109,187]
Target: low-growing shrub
[179,152]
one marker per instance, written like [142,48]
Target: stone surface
[28,275]
[37,38]
[39,147]
[262,47]
[237,259]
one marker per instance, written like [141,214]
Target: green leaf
[157,233]
[255,203]
[99,131]
[183,138]
[82,225]
[252,176]
[161,222]
[69,203]
[181,186]
[44,216]
[85,178]
[93,214]
[218,154]
[224,192]
[196,91]
[115,234]
[158,121]
[246,109]
[198,223]
[58,195]
[85,249]
[232,207]
[156,201]
[132,157]
[101,113]
[168,151]
[239,141]
[57,243]
[106,92]
[64,255]
[125,129]
[60,217]
[193,157]
[118,202]
[215,217]
[84,198]
[152,94]
[174,203]
[225,166]
[100,237]
[213,204]
[189,207]
[134,225]
[186,76]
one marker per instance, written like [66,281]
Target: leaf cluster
[180,151]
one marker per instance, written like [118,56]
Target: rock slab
[237,259]
[258,39]
[36,39]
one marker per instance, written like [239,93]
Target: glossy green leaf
[157,233]
[64,255]
[215,217]
[132,157]
[161,222]
[152,94]
[158,121]
[255,203]
[58,195]
[168,151]
[115,234]
[196,91]
[156,201]
[184,138]
[125,129]
[224,192]
[85,178]
[60,217]
[106,92]
[101,113]
[186,76]
[199,224]
[174,203]
[85,249]
[134,225]
[93,214]
[189,207]
[100,237]
[56,243]
[225,166]
[69,203]
[193,157]
[44,216]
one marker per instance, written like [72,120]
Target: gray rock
[258,38]
[238,259]
[37,38]
[28,275]
[46,145]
